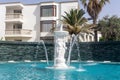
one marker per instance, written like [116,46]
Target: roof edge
[11,2]
[39,2]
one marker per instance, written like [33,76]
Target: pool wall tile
[97,51]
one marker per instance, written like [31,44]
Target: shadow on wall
[37,24]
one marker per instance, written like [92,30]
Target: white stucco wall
[2,21]
[68,6]
[31,17]
[9,26]
[99,36]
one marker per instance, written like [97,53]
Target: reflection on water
[60,75]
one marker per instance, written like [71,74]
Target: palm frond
[75,22]
[103,2]
[84,2]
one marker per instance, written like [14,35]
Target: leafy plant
[110,28]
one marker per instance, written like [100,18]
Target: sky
[32,1]
[112,8]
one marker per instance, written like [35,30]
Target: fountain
[60,48]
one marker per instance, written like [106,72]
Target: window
[17,11]
[46,26]
[47,11]
[17,26]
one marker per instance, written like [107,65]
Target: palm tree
[75,23]
[94,7]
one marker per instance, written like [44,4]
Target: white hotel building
[32,22]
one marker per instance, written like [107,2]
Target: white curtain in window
[47,12]
[46,27]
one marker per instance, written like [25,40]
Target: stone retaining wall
[98,51]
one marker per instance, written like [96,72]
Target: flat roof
[34,1]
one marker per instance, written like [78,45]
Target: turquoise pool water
[37,71]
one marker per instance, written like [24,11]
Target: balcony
[43,34]
[18,33]
[14,17]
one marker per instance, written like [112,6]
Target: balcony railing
[14,16]
[18,32]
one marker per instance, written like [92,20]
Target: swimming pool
[37,71]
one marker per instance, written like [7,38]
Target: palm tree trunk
[95,31]
[95,36]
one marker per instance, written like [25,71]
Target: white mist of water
[45,52]
[61,27]
[46,55]
[74,41]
